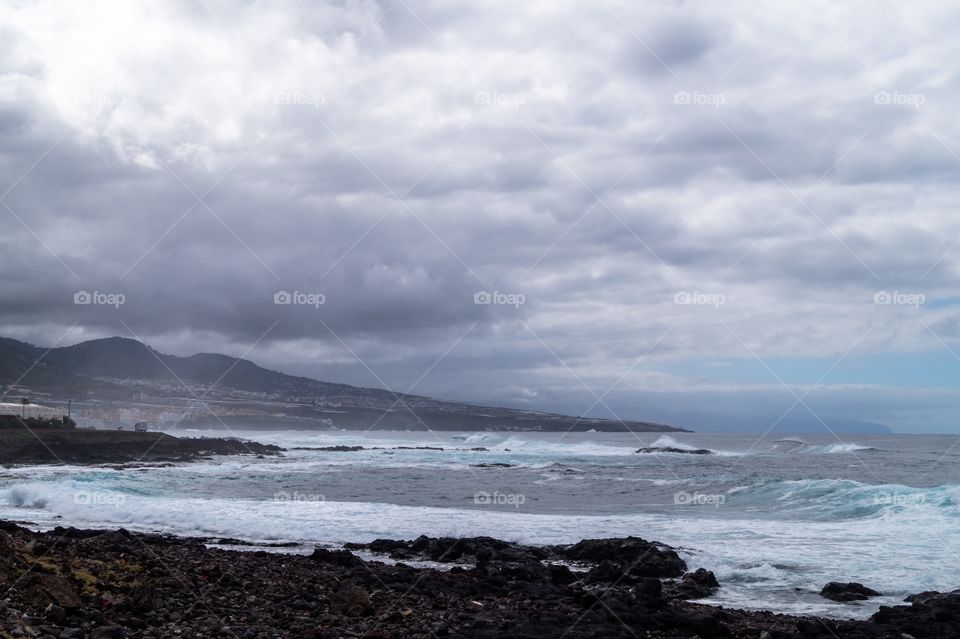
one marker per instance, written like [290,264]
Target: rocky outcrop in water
[671,449]
[845,592]
[116,447]
[694,585]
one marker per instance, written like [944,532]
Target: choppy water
[775,518]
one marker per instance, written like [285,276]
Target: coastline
[21,447]
[72,583]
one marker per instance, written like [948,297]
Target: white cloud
[309,121]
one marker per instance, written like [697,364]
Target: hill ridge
[116,367]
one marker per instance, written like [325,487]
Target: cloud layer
[669,188]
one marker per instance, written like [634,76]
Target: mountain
[24,365]
[107,376]
[122,358]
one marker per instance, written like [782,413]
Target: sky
[717,214]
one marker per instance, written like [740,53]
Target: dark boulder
[561,575]
[352,601]
[450,549]
[928,595]
[342,558]
[694,585]
[930,615]
[845,592]
[108,632]
[649,589]
[607,572]
[632,555]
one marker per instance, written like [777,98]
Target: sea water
[774,517]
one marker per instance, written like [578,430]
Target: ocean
[775,518]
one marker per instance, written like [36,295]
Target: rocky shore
[72,584]
[42,446]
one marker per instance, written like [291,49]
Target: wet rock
[930,615]
[631,555]
[845,592]
[606,572]
[671,449]
[928,595]
[343,558]
[694,585]
[449,549]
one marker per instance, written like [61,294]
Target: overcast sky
[694,211]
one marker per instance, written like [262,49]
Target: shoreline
[73,583]
[22,447]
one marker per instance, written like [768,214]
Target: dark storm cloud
[668,44]
[399,158]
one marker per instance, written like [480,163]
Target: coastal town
[162,403]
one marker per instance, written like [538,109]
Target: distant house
[141,427]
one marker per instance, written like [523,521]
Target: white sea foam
[792,444]
[740,551]
[893,537]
